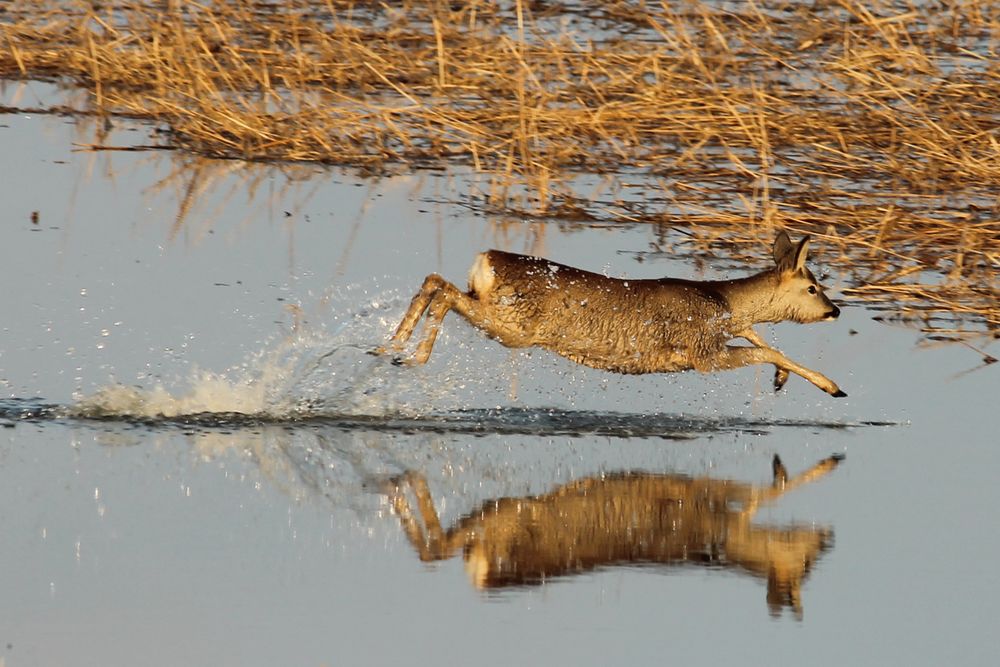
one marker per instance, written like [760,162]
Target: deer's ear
[783,251]
[787,256]
[800,254]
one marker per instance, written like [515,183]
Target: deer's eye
[811,289]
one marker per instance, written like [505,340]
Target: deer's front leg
[732,356]
[780,374]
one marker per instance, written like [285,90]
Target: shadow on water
[539,422]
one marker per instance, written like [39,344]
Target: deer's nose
[833,313]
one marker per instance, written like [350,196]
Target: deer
[623,325]
[620,519]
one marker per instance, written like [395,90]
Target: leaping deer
[628,326]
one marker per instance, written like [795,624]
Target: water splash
[327,374]
[295,377]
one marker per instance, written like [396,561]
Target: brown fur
[628,326]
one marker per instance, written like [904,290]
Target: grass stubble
[873,126]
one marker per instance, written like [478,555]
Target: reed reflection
[622,519]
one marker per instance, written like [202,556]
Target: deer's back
[628,326]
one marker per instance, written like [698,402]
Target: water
[199,461]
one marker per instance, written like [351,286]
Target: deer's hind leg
[436,296]
[418,304]
[448,297]
[430,540]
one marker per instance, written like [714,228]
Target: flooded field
[214,213]
[201,464]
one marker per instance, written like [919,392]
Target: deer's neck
[752,299]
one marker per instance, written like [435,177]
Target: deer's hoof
[780,378]
[398,360]
[839,394]
[394,484]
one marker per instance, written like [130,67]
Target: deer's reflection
[621,519]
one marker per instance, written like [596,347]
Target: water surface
[199,462]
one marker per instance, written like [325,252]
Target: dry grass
[873,125]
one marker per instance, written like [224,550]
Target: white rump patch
[481,276]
